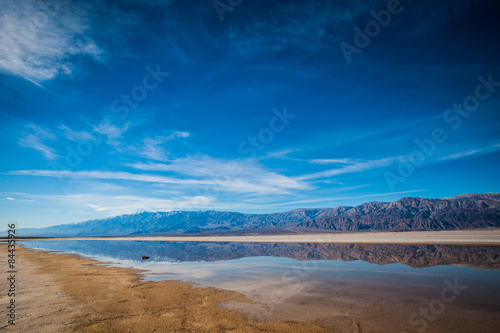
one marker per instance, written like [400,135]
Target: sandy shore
[463,237]
[65,293]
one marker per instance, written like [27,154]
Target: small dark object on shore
[145,258]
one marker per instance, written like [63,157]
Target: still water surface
[348,288]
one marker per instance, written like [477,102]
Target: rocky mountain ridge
[469,211]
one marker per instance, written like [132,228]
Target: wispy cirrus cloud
[75,135]
[353,167]
[194,165]
[471,152]
[34,137]
[153,147]
[226,173]
[106,175]
[460,154]
[112,205]
[40,41]
[333,161]
[308,25]
[112,132]
[128,204]
[98,208]
[319,25]
[267,182]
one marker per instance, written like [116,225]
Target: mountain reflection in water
[376,288]
[479,257]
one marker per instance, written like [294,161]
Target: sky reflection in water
[333,283]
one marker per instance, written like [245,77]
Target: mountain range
[468,211]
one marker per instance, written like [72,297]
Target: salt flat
[462,237]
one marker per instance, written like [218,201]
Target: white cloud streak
[75,135]
[113,205]
[267,183]
[461,154]
[333,161]
[472,152]
[355,167]
[33,137]
[226,174]
[105,175]
[111,131]
[153,149]
[40,41]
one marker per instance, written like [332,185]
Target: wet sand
[65,293]
[462,237]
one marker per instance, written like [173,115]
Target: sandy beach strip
[462,237]
[66,293]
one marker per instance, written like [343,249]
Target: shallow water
[349,288]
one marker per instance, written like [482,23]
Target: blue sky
[114,107]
